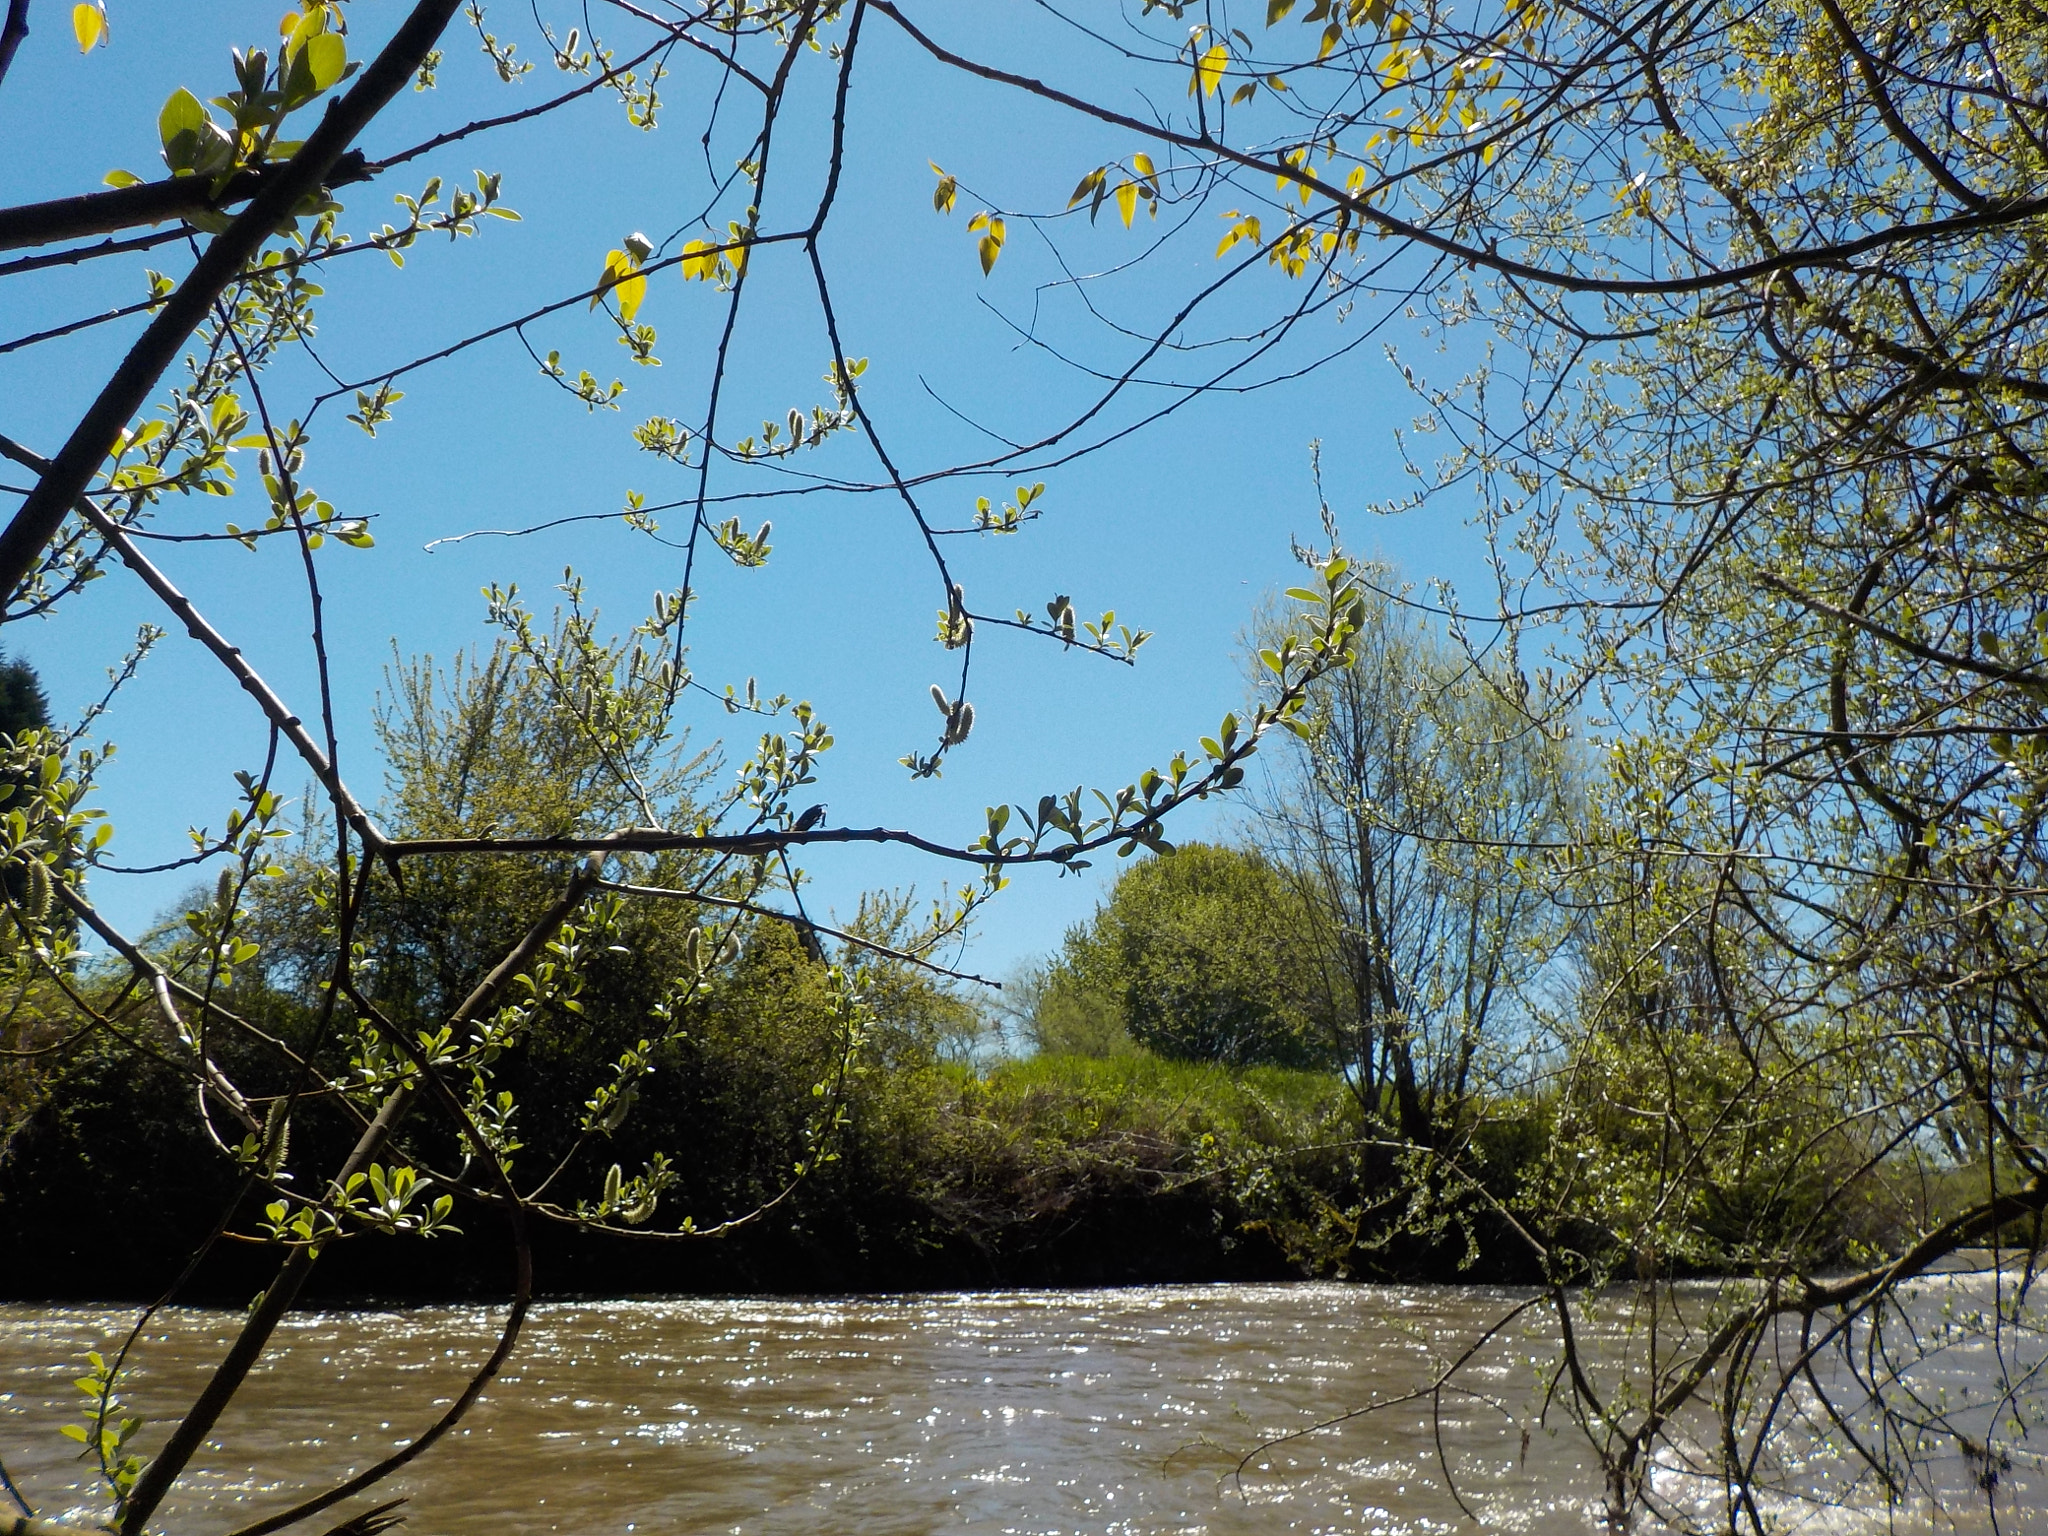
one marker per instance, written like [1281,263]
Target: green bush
[1203,953]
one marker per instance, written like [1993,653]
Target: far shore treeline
[1225,1074]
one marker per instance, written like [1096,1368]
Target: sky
[1182,527]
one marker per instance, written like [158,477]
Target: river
[1023,1413]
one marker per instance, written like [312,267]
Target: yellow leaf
[700,260]
[622,278]
[1244,229]
[1086,185]
[90,23]
[991,245]
[1142,164]
[945,191]
[1209,71]
[1127,201]
[630,292]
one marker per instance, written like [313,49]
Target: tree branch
[12,34]
[230,656]
[1995,213]
[227,1378]
[42,513]
[152,202]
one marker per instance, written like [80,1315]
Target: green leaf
[327,55]
[183,113]
[321,62]
[303,28]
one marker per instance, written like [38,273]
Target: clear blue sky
[1180,528]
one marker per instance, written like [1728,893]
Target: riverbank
[1056,1171]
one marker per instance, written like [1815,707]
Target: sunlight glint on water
[1111,1413]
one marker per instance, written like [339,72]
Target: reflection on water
[1112,1413]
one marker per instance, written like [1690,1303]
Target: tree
[1405,814]
[1203,954]
[736,1078]
[1043,1008]
[24,714]
[1760,451]
[391,1018]
[23,705]
[1756,445]
[23,709]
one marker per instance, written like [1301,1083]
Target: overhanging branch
[151,202]
[43,511]
[12,35]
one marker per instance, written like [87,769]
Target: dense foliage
[1204,955]
[1750,420]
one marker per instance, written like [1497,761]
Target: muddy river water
[1111,1413]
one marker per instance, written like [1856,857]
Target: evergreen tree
[23,704]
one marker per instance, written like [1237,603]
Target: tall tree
[23,704]
[1409,813]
